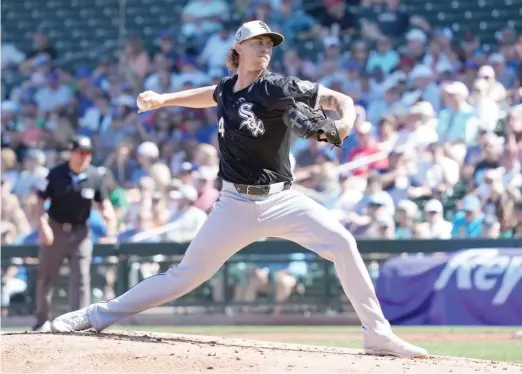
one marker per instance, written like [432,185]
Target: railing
[279,246]
[326,288]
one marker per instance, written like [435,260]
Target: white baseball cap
[457,88]
[364,128]
[421,71]
[423,108]
[433,205]
[188,192]
[148,149]
[417,35]
[409,207]
[252,29]
[486,71]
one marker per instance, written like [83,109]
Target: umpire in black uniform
[71,188]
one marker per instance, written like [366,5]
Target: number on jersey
[221,127]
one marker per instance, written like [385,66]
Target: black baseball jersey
[253,140]
[71,195]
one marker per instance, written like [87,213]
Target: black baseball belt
[67,226]
[262,190]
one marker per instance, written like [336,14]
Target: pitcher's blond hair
[232,60]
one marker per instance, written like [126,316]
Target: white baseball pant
[236,221]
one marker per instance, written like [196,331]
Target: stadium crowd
[435,119]
[436,150]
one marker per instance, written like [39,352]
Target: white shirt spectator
[28,180]
[382,197]
[216,49]
[94,121]
[419,137]
[47,99]
[443,62]
[486,109]
[505,74]
[10,176]
[426,89]
[488,114]
[348,202]
[380,107]
[185,225]
[152,83]
[434,174]
[416,140]
[512,177]
[495,89]
[199,9]
[438,227]
[460,125]
[11,55]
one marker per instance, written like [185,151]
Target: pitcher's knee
[340,244]
[188,276]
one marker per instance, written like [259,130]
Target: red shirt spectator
[367,146]
[207,194]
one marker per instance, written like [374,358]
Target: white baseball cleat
[390,345]
[73,321]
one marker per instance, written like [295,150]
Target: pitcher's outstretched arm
[202,97]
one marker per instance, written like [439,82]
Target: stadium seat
[97,21]
[461,15]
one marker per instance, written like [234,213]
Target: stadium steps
[94,22]
[76,26]
[482,17]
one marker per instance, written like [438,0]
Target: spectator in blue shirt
[294,22]
[469,221]
[97,226]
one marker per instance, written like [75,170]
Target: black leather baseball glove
[306,123]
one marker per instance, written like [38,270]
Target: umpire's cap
[80,143]
[252,29]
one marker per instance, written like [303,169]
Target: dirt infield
[118,352]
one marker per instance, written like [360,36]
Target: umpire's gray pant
[74,243]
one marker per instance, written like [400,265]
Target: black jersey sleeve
[214,95]
[281,91]
[219,88]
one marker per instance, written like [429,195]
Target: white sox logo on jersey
[250,121]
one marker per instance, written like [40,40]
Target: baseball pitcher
[258,112]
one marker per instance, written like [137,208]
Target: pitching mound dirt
[129,352]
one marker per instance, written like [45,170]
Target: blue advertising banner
[470,287]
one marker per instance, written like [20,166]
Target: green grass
[499,351]
[508,351]
[317,329]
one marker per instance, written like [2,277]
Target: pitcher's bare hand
[149,100]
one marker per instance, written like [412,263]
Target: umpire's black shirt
[71,195]
[253,140]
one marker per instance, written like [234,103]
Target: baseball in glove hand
[307,123]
